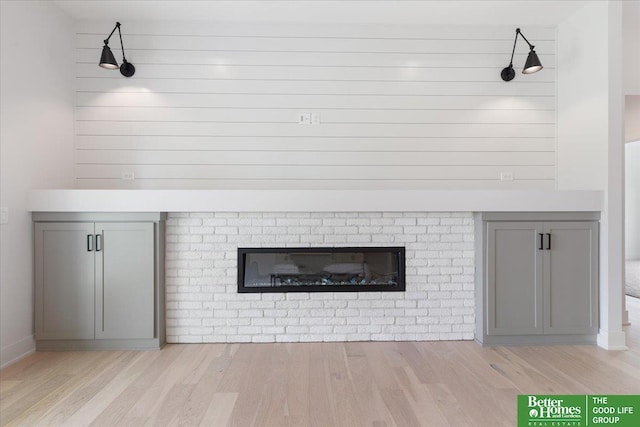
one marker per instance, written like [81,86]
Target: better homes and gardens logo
[555,410]
[578,410]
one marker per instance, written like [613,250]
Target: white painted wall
[37,100]
[631,46]
[582,99]
[215,106]
[632,199]
[631,81]
[591,140]
[612,285]
[632,176]
[632,118]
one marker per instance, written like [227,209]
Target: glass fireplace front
[321,269]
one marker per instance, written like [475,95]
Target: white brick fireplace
[203,304]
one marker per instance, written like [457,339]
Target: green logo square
[578,410]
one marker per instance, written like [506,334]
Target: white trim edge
[612,340]
[16,351]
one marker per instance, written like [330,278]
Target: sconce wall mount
[108,61]
[532,64]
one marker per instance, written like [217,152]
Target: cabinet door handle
[549,241]
[98,242]
[541,246]
[89,242]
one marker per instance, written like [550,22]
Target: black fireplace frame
[400,287]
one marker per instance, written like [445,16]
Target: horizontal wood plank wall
[216,106]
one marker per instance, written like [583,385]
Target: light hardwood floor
[316,384]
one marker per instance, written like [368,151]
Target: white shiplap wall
[216,106]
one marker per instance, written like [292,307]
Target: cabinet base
[506,340]
[82,345]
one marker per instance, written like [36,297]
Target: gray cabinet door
[571,277]
[125,281]
[514,300]
[64,281]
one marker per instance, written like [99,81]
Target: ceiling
[524,12]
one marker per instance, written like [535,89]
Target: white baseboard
[16,351]
[612,340]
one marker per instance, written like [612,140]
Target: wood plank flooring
[315,384]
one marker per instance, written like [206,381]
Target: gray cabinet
[99,284]
[64,281]
[124,280]
[514,279]
[571,278]
[537,278]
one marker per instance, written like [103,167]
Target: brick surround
[203,304]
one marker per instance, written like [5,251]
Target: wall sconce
[108,61]
[532,65]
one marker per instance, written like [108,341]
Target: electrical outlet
[4,215]
[304,118]
[315,118]
[506,176]
[128,176]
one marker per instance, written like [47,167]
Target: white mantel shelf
[314,201]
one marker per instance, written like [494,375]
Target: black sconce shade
[532,65]
[108,61]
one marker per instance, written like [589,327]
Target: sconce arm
[515,40]
[106,41]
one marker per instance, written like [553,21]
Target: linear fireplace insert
[351,269]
